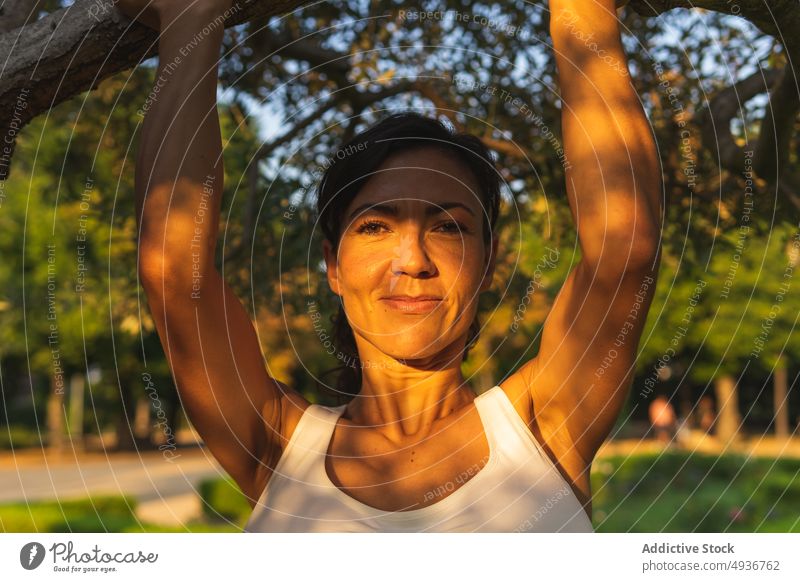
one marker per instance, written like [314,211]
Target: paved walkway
[698,442]
[166,490]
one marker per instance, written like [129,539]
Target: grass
[97,514]
[682,492]
[666,492]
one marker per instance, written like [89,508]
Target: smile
[412,304]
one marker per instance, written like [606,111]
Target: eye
[371,227]
[452,227]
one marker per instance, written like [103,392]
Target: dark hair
[349,169]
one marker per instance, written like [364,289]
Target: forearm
[179,169]
[613,175]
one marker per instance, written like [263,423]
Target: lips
[412,303]
[413,297]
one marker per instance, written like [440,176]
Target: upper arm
[220,373]
[580,378]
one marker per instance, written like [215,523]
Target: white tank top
[518,489]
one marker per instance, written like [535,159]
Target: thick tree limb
[15,13]
[716,117]
[778,18]
[777,127]
[74,49]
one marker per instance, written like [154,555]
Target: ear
[491,261]
[332,266]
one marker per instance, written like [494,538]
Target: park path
[165,489]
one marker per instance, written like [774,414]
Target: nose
[411,257]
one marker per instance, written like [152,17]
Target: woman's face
[412,261]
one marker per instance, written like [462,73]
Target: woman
[407,213]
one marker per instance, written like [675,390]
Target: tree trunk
[125,438]
[141,420]
[56,413]
[728,418]
[76,391]
[173,417]
[781,404]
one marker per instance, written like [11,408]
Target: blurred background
[92,433]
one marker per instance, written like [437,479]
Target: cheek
[461,267]
[363,266]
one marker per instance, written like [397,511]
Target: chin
[414,345]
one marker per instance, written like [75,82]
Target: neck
[404,398]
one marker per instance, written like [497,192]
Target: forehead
[419,176]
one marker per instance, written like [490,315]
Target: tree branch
[777,128]
[778,18]
[73,49]
[16,13]
[716,117]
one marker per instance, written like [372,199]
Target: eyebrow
[391,209]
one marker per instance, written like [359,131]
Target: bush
[223,501]
[18,437]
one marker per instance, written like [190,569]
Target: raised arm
[583,371]
[207,335]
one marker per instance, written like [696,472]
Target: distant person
[706,414]
[663,419]
[683,433]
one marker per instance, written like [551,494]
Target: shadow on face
[412,259]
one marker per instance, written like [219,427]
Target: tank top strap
[501,421]
[315,429]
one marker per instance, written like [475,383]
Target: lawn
[96,514]
[681,492]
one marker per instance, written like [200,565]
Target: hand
[158,14]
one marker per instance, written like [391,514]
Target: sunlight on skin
[414,357]
[607,137]
[614,192]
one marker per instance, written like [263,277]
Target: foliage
[223,501]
